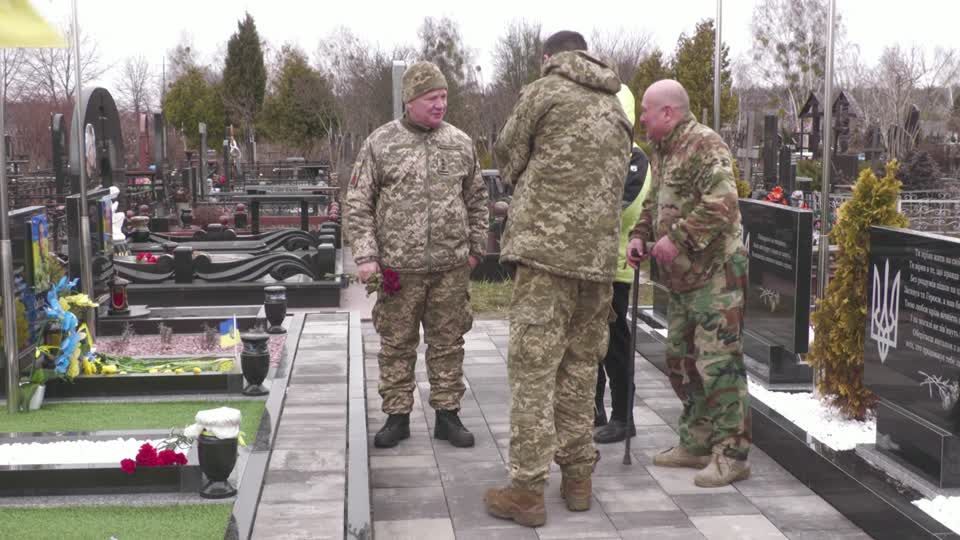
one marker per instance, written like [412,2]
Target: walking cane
[631,386]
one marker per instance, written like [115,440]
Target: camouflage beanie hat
[421,78]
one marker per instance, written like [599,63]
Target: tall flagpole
[716,67]
[86,279]
[6,264]
[824,248]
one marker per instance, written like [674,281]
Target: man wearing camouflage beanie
[417,209]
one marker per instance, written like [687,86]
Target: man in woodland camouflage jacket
[692,219]
[565,148]
[417,213]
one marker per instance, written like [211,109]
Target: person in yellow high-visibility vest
[614,363]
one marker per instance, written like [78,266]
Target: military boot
[523,506]
[393,431]
[680,457]
[448,427]
[722,470]
[577,493]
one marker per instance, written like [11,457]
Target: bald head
[669,93]
[665,104]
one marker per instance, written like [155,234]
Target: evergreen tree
[651,70]
[693,68]
[244,77]
[191,100]
[301,110]
[919,171]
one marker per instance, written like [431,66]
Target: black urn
[255,363]
[186,217]
[275,306]
[217,459]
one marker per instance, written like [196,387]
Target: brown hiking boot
[524,506]
[721,471]
[577,493]
[680,457]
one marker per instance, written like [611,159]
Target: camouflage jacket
[565,148]
[693,200]
[416,200]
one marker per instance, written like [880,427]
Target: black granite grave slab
[779,241]
[146,384]
[912,349]
[867,496]
[321,293]
[94,478]
[182,320]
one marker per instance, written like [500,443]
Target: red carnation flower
[391,281]
[166,457]
[128,466]
[147,456]
[171,457]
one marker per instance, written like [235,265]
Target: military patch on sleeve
[356,174]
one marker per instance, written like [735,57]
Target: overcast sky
[125,28]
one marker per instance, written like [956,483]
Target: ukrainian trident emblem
[885,310]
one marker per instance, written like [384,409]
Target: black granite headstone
[183,264]
[770,144]
[100,220]
[912,349]
[779,241]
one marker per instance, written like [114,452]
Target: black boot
[614,431]
[393,431]
[449,428]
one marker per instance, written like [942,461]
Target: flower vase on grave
[275,306]
[216,432]
[255,363]
[141,228]
[217,459]
[240,216]
[186,217]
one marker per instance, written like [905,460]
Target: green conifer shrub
[839,320]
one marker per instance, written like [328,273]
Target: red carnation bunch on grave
[149,457]
[146,257]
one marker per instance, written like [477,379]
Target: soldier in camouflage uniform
[417,205]
[693,218]
[565,148]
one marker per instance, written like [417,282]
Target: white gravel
[81,452]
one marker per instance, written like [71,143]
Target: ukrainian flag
[229,335]
[22,27]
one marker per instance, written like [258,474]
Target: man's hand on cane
[636,252]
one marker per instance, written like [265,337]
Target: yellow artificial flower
[109,369]
[197,370]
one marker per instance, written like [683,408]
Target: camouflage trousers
[705,363]
[558,335]
[441,302]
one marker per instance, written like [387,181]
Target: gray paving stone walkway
[428,490]
[303,492]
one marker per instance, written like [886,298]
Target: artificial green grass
[193,521]
[162,415]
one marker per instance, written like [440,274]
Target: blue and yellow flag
[22,27]
[229,335]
